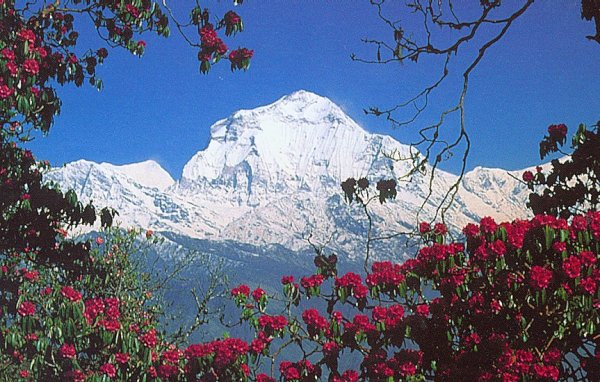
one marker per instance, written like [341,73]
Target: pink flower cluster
[211,44]
[240,58]
[315,323]
[301,369]
[103,312]
[70,294]
[241,290]
[352,282]
[272,324]
[313,281]
[557,132]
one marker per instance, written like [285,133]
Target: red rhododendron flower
[132,10]
[26,309]
[75,375]
[347,376]
[228,351]
[31,66]
[7,54]
[43,51]
[109,369]
[488,225]
[27,35]
[572,266]
[31,337]
[238,56]
[110,325]
[166,372]
[257,294]
[258,345]
[121,357]
[245,369]
[315,322]
[112,308]
[424,227]
[264,378]
[67,351]
[172,355]
[287,280]
[379,313]
[540,277]
[70,294]
[588,258]
[337,316]
[231,18]
[288,371]
[331,349]
[31,275]
[408,368]
[559,246]
[557,131]
[528,176]
[272,323]
[93,307]
[241,290]
[471,230]
[312,281]
[198,351]
[524,356]
[552,356]
[498,247]
[589,285]
[579,223]
[495,305]
[353,282]
[149,338]
[546,371]
[13,69]
[385,274]
[5,91]
[440,229]
[46,291]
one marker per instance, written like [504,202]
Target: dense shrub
[572,183]
[39,49]
[513,301]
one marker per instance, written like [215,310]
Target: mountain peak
[147,173]
[300,136]
[272,175]
[301,141]
[309,107]
[305,108]
[303,96]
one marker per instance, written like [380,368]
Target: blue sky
[159,107]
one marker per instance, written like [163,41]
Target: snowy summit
[272,175]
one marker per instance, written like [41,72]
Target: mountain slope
[272,175]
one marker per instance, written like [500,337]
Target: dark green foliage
[573,184]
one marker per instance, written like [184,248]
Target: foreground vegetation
[507,301]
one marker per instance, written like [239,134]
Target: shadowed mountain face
[270,177]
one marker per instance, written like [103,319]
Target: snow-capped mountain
[271,176]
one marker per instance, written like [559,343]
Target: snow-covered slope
[147,173]
[272,175]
